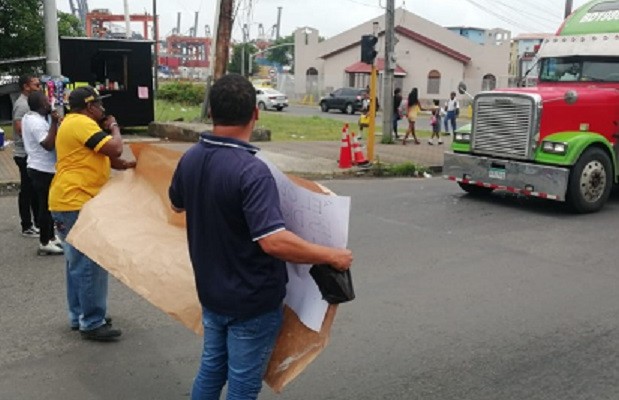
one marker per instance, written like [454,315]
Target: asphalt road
[457,298]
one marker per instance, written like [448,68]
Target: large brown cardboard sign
[144,245]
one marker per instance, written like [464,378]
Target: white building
[429,57]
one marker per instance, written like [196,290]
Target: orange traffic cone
[345,154]
[359,158]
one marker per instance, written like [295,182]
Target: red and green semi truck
[558,140]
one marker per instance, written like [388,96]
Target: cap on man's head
[80,97]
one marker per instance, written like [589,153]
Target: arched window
[311,80]
[488,82]
[434,82]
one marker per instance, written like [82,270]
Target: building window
[488,82]
[434,82]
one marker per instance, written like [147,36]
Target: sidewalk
[310,159]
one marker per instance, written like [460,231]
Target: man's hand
[108,121]
[342,259]
[120,164]
[55,117]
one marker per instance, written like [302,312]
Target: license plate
[497,173]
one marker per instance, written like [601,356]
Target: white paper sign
[316,218]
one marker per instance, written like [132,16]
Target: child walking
[435,121]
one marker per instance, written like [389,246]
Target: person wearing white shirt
[39,135]
[452,107]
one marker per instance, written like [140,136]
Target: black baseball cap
[81,96]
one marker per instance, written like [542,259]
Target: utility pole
[127,21]
[279,21]
[245,39]
[388,72]
[178,23]
[52,46]
[568,8]
[156,36]
[195,26]
[218,57]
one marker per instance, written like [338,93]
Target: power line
[500,16]
[540,6]
[365,4]
[524,12]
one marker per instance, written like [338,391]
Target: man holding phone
[88,144]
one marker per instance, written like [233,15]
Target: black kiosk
[122,68]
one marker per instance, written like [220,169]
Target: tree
[235,61]
[282,55]
[22,30]
[69,25]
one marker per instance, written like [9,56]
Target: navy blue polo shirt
[231,201]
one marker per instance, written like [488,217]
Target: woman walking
[413,108]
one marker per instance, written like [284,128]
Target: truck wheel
[324,107]
[474,189]
[349,109]
[262,106]
[591,181]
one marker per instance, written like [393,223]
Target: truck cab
[559,139]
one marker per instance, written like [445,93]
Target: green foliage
[404,169]
[282,55]
[236,60]
[21,28]
[69,25]
[186,93]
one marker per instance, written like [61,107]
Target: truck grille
[503,125]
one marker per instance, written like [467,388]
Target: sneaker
[56,241]
[30,232]
[108,321]
[440,142]
[431,142]
[104,333]
[49,249]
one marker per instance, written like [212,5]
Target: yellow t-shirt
[81,170]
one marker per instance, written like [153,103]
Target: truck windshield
[579,69]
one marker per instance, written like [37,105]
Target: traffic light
[368,53]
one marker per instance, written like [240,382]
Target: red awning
[363,68]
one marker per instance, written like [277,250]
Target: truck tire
[262,106]
[324,107]
[349,109]
[591,180]
[474,189]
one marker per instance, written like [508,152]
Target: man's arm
[287,246]
[49,142]
[112,148]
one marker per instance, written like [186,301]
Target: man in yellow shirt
[88,144]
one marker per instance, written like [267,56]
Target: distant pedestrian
[435,122]
[26,199]
[452,107]
[87,145]
[413,108]
[39,135]
[238,243]
[397,102]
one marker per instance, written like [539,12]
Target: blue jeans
[86,280]
[394,120]
[237,351]
[451,117]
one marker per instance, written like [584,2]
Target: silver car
[271,99]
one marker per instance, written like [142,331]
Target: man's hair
[232,101]
[397,90]
[35,100]
[24,80]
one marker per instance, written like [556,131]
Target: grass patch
[403,169]
[8,131]
[283,127]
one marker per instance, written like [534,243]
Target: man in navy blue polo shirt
[238,245]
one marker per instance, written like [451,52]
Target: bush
[186,93]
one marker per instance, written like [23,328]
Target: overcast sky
[331,17]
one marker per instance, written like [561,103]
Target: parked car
[269,99]
[347,100]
